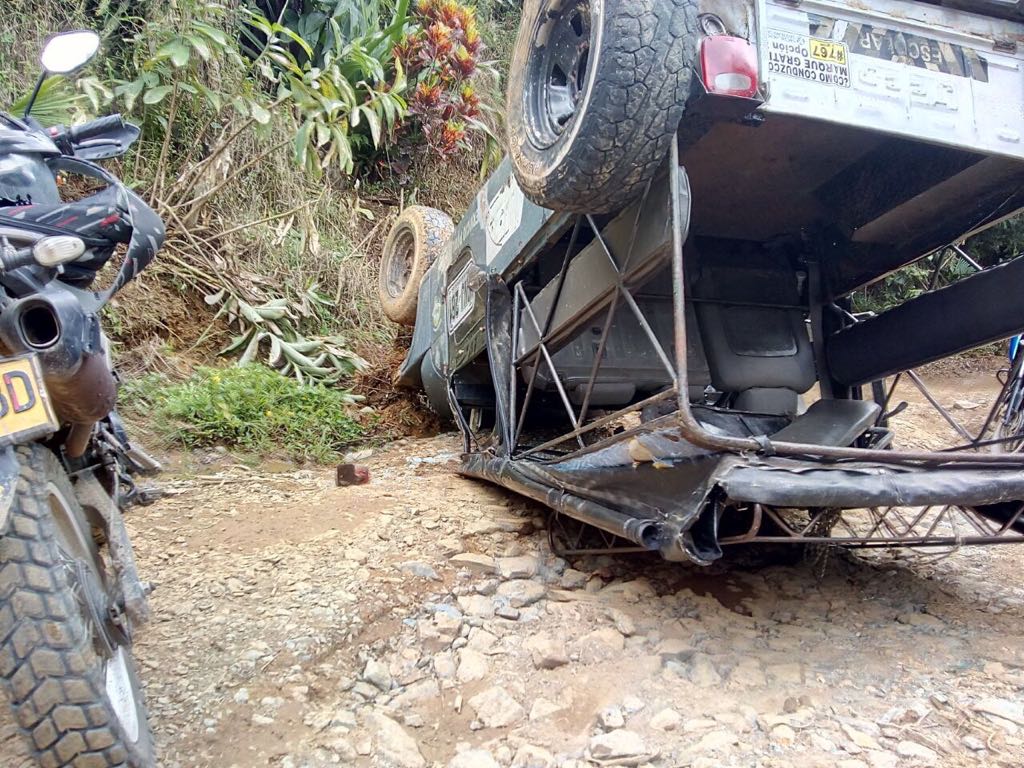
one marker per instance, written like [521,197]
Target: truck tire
[596,92]
[417,238]
[77,704]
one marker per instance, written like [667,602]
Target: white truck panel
[900,67]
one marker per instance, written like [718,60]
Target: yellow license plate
[25,409]
[826,50]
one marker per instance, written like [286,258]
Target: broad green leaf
[180,56]
[323,134]
[260,114]
[156,95]
[249,313]
[216,35]
[212,97]
[237,343]
[200,46]
[276,356]
[296,38]
[302,142]
[252,349]
[373,119]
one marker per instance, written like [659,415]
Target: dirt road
[423,621]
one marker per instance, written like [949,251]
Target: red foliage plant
[440,55]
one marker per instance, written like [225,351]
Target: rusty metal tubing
[938,406]
[650,534]
[551,366]
[610,319]
[751,534]
[997,405]
[863,543]
[78,440]
[694,432]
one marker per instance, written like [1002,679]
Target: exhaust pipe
[53,325]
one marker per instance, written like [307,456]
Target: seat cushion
[784,402]
[753,328]
[830,422]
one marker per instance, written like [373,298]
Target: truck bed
[889,129]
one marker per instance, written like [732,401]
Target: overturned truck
[631,319]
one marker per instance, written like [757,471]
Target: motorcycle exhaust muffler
[69,343]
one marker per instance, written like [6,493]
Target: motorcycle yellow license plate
[25,409]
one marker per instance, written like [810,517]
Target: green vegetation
[263,123]
[251,408]
[1000,243]
[278,139]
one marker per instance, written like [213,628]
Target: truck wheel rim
[400,264]
[557,75]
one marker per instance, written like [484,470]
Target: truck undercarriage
[736,460]
[686,372]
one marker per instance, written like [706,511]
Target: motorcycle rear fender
[8,483]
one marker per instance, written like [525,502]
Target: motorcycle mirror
[57,250]
[68,51]
[62,54]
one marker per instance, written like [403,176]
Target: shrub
[248,407]
[440,55]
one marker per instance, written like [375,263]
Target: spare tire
[417,238]
[596,92]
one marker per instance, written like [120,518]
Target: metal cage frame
[876,527]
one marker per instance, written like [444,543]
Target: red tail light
[729,66]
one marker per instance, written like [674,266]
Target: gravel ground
[422,620]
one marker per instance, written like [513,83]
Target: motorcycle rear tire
[78,703]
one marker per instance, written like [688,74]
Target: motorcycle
[1008,434]
[70,593]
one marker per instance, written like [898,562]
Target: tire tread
[47,662]
[431,230]
[642,82]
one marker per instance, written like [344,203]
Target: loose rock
[529,756]
[666,720]
[611,718]
[472,666]
[478,564]
[911,749]
[547,652]
[600,645]
[521,593]
[617,744]
[475,758]
[523,567]
[496,708]
[393,744]
[377,674]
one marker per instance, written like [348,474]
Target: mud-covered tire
[417,238]
[58,683]
[627,96]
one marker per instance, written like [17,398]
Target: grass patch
[249,407]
